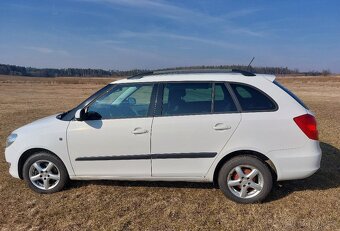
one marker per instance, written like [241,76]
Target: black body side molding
[150,156]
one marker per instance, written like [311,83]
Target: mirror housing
[82,115]
[79,115]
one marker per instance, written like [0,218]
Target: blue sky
[127,34]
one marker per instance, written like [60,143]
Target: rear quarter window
[252,99]
[291,94]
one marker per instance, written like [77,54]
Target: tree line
[6,69]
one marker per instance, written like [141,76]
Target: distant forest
[6,69]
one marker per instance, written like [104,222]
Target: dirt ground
[309,204]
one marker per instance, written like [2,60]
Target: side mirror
[79,115]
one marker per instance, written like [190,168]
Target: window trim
[212,105]
[234,97]
[228,88]
[160,92]
[255,88]
[151,106]
[159,100]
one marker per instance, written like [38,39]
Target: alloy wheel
[44,174]
[245,181]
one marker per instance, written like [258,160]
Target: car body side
[270,135]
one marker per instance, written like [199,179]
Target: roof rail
[189,71]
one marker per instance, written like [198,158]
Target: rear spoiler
[271,78]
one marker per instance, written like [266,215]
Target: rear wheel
[245,179]
[45,173]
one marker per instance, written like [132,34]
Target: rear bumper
[298,163]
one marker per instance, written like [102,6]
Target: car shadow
[97,124]
[156,184]
[328,176]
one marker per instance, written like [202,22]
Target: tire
[45,173]
[245,179]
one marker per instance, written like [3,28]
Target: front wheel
[245,179]
[45,173]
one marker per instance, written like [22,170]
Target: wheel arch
[29,153]
[256,154]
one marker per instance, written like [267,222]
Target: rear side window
[196,98]
[252,99]
[187,98]
[291,94]
[223,102]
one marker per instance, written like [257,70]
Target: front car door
[114,138]
[195,121]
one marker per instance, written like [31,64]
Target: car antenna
[248,67]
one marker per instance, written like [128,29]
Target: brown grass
[310,204]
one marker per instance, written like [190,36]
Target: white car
[239,130]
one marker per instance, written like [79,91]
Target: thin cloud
[150,35]
[160,8]
[245,31]
[110,41]
[166,10]
[46,50]
[241,13]
[121,47]
[188,16]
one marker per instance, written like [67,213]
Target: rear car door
[193,122]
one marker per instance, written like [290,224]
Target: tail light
[307,124]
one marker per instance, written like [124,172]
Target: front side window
[187,98]
[123,101]
[252,99]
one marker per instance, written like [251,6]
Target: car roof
[232,76]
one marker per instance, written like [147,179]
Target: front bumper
[12,158]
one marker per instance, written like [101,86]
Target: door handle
[137,131]
[221,127]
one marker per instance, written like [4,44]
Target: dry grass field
[309,204]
